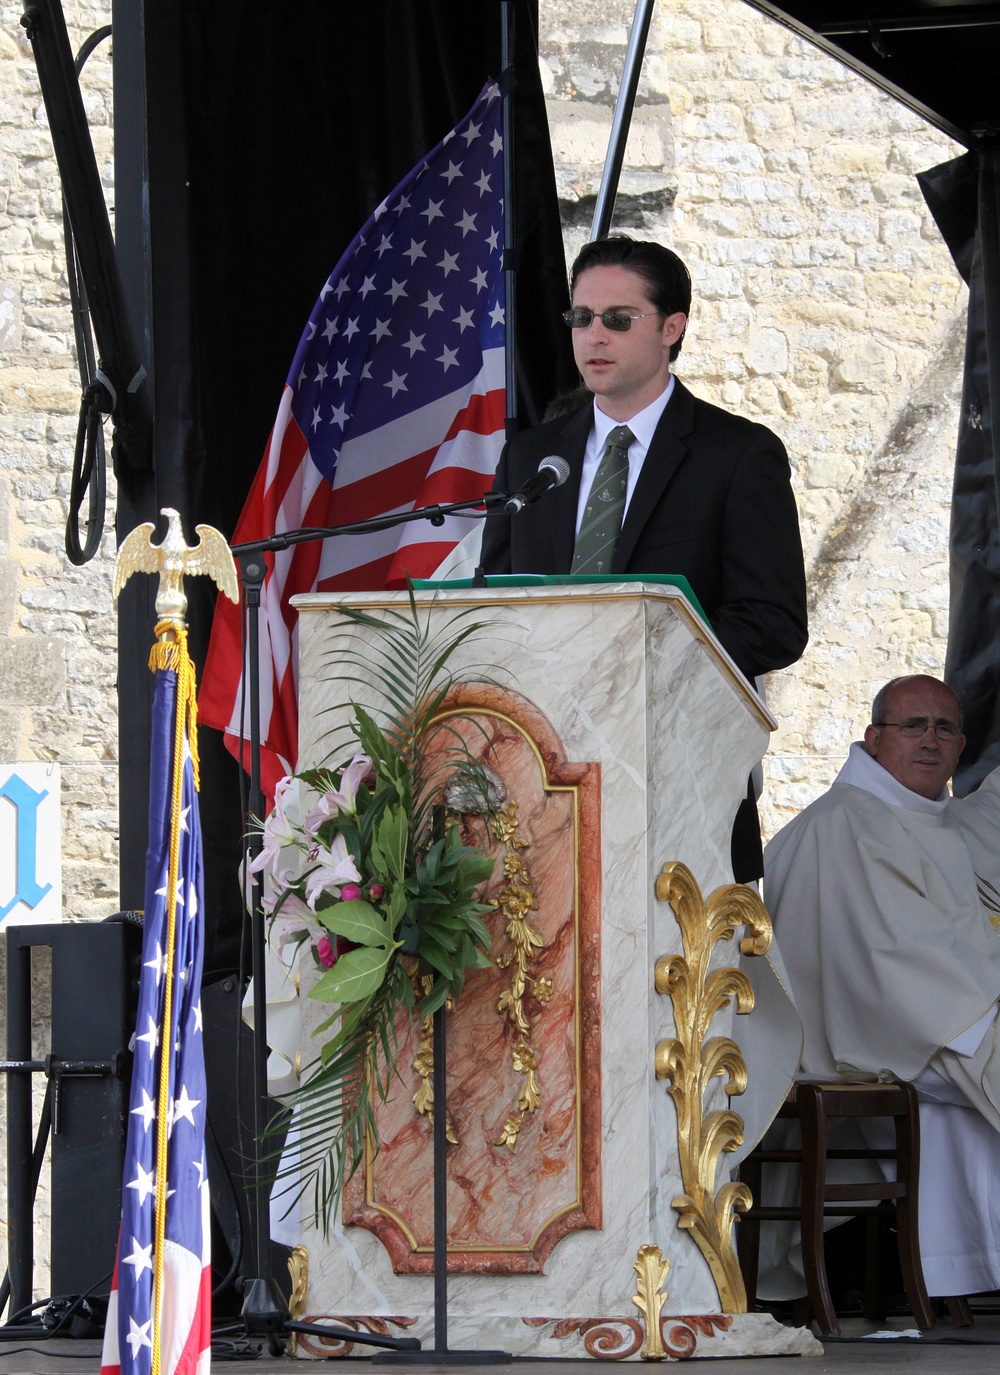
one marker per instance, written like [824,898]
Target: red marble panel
[507,1208]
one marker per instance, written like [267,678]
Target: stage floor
[954,1352]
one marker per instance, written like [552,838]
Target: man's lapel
[668,448]
[561,503]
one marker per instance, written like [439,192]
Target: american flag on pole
[395,399]
[159,1315]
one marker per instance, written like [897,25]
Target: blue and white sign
[30,844]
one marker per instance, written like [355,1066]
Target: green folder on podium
[563,580]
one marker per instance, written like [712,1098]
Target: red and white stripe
[185,1309]
[443,452]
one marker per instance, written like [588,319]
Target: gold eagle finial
[174,560]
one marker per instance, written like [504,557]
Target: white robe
[894,966]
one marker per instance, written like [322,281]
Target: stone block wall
[57,623]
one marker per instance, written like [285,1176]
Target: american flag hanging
[395,399]
[159,1315]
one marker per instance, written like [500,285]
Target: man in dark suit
[707,494]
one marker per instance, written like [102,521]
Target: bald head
[916,732]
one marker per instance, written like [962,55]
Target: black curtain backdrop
[964,197]
[272,132]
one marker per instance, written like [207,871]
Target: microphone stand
[265,1313]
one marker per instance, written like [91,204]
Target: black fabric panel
[963,197]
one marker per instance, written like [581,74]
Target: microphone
[552,472]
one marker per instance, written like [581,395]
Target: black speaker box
[94,987]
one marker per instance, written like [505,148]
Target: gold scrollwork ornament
[423,1099]
[298,1268]
[691,1060]
[514,901]
[651,1266]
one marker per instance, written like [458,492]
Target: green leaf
[345,825]
[355,976]
[479,931]
[477,869]
[434,999]
[356,921]
[446,920]
[428,869]
[428,949]
[373,741]
[349,1018]
[392,838]
[395,904]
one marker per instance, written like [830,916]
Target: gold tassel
[171,654]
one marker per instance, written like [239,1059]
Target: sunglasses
[582,318]
[918,726]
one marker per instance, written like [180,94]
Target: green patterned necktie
[602,517]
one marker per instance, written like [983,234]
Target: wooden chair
[813,1105]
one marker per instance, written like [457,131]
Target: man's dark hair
[668,282]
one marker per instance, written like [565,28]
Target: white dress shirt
[642,426]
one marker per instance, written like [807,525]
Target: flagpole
[509,228]
[264,1309]
[170,652]
[252,572]
[608,192]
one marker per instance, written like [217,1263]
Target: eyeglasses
[913,729]
[582,318]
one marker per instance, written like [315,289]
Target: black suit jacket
[713,502]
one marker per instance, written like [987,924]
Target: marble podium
[589,1210]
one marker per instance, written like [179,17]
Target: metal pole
[262,1221]
[20,1246]
[606,196]
[264,1309]
[509,230]
[440,1184]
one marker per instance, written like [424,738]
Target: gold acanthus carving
[692,1059]
[651,1266]
[298,1268]
[514,901]
[423,1099]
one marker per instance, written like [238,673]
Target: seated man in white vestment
[882,898]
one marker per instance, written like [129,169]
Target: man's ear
[674,326]
[871,740]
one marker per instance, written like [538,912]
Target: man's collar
[862,771]
[642,424]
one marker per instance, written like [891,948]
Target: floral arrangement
[363,866]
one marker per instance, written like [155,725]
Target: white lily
[335,866]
